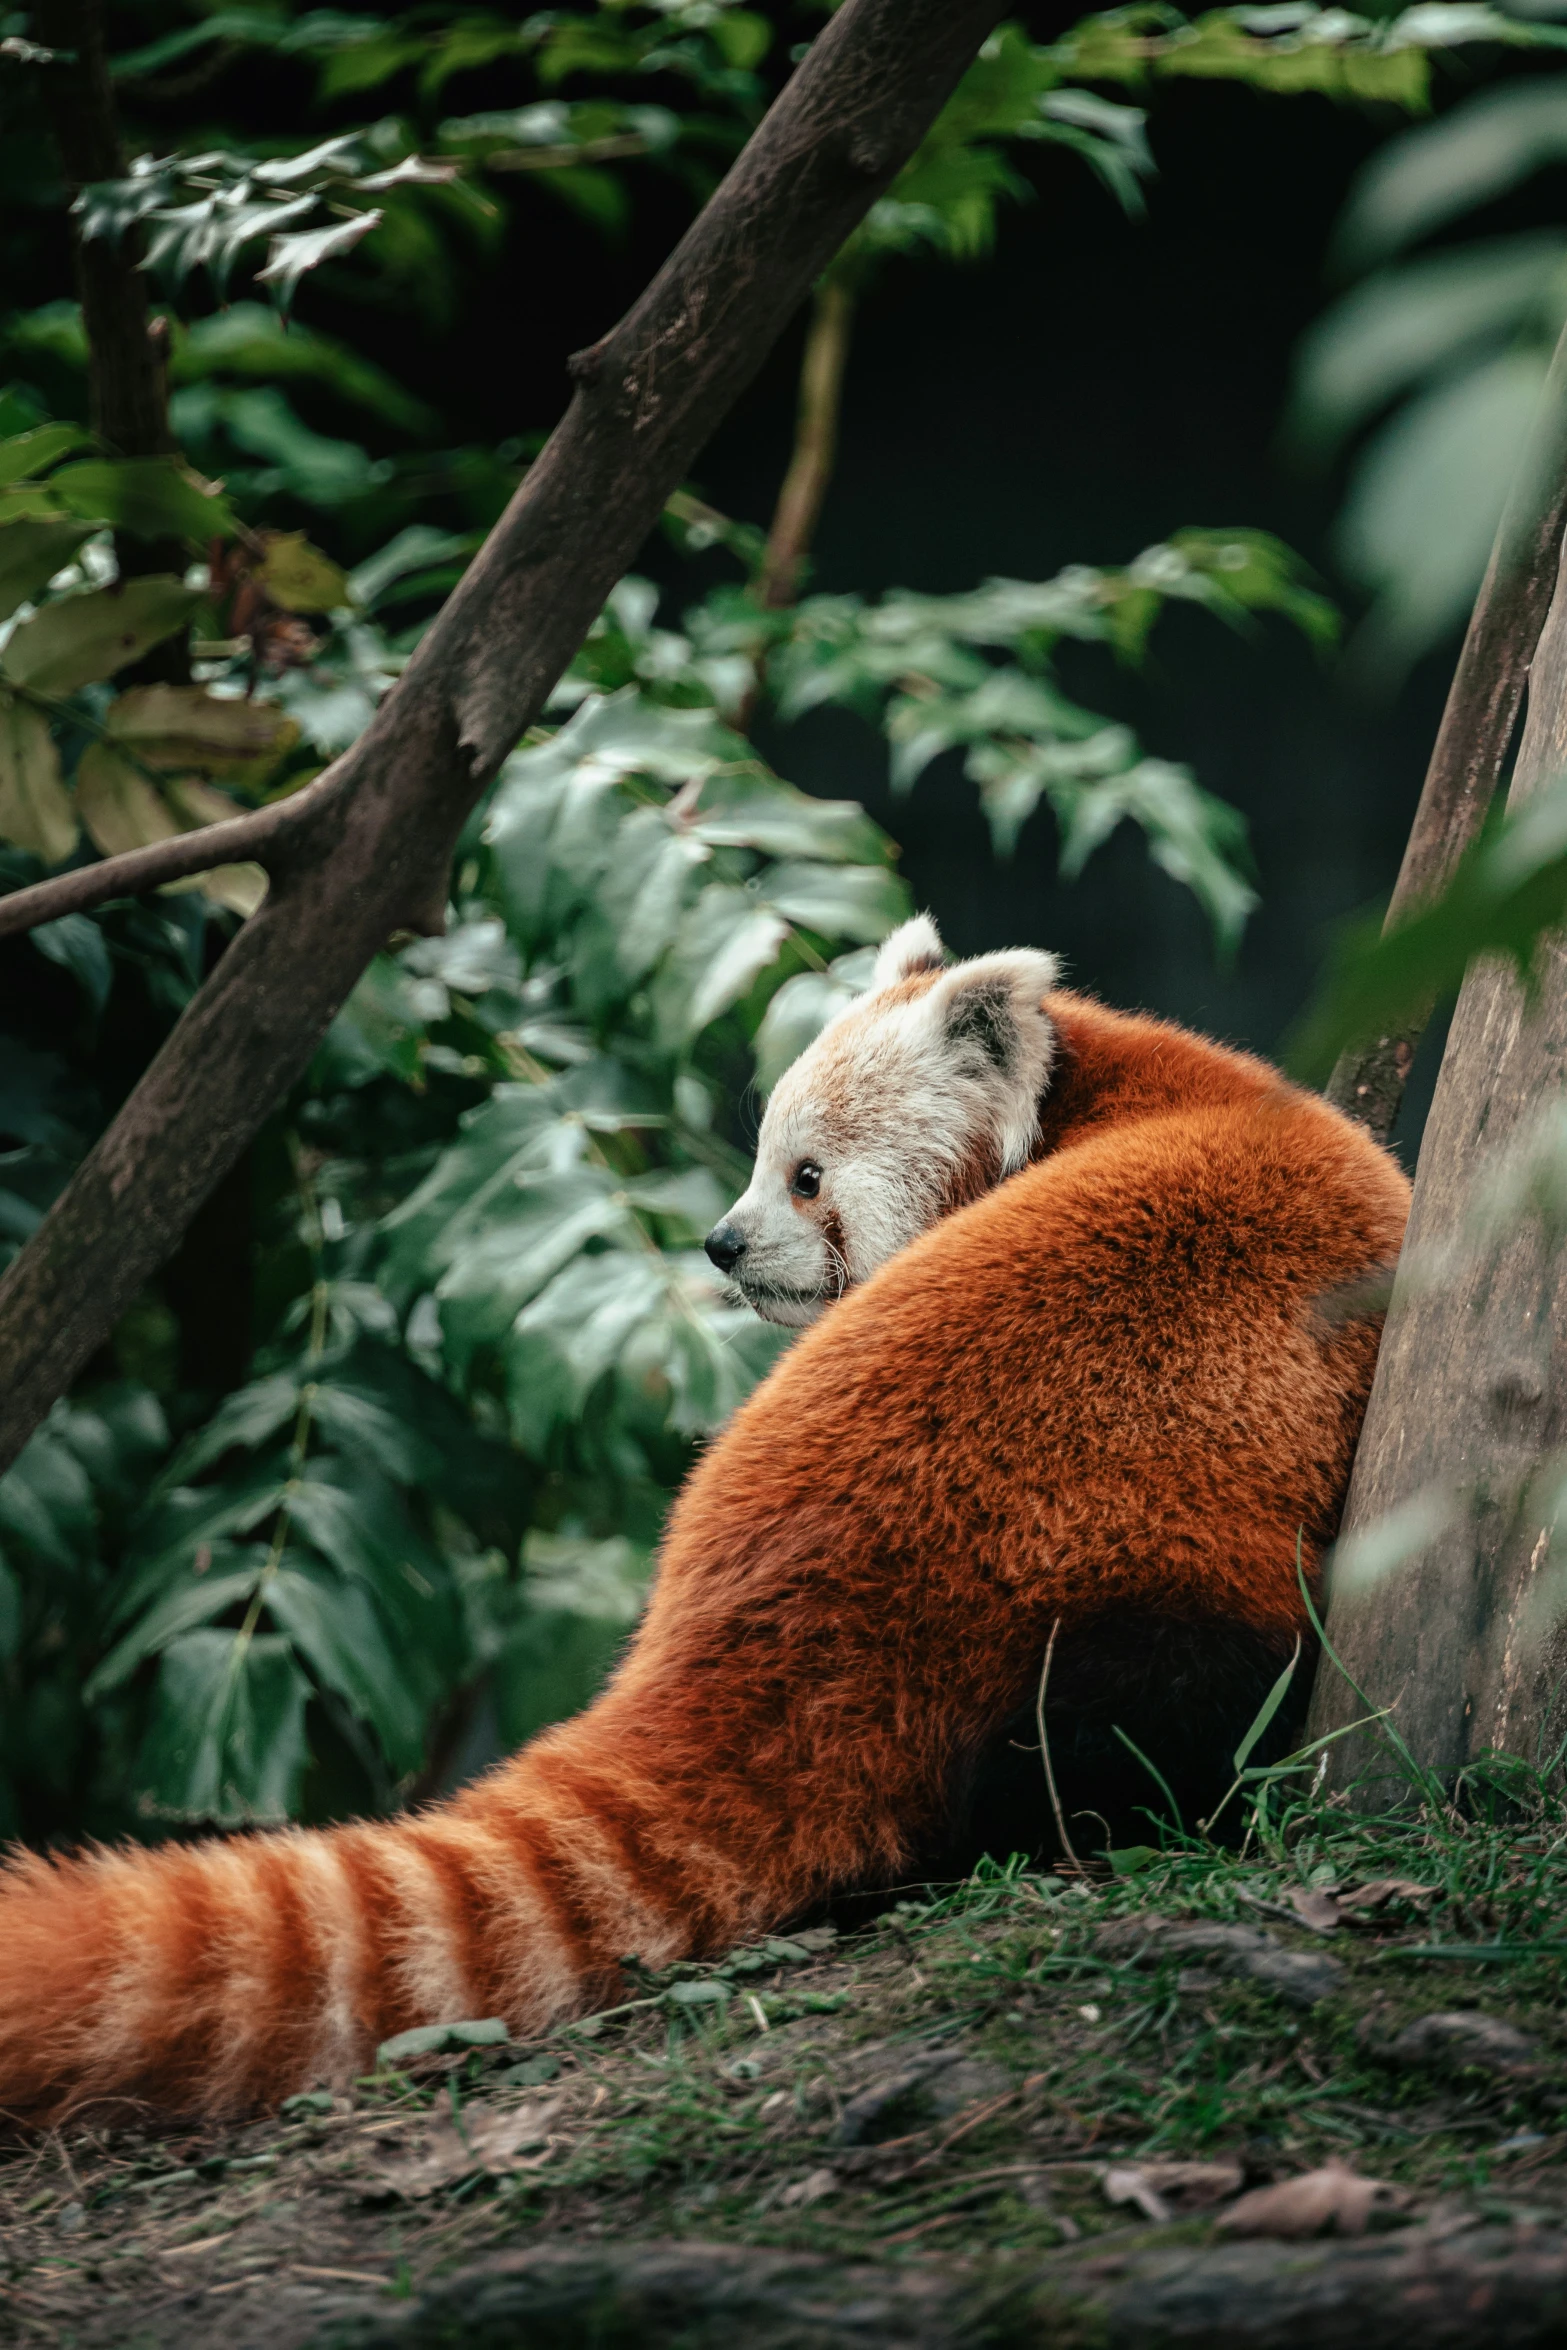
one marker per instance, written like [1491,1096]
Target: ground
[1015,2098]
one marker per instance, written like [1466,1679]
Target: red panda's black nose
[725,1246]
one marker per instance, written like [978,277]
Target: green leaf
[292,255]
[1193,837]
[77,945]
[801,1009]
[1402,327]
[549,1219]
[30,454]
[706,1992]
[724,943]
[151,497]
[862,902]
[381,1029]
[439,2039]
[573,1334]
[79,638]
[35,808]
[249,339]
[334,1626]
[1266,1711]
[355,1520]
[10,1614]
[742,36]
[413,549]
[31,552]
[1509,892]
[227,1737]
[363,1423]
[747,808]
[194,1599]
[184,1521]
[504,1138]
[1472,154]
[1425,498]
[604,1581]
[242,1423]
[1132,1860]
[46,1504]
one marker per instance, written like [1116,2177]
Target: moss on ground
[963,2078]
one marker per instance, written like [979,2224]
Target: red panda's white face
[916,1099]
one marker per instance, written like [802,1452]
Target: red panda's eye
[807,1180]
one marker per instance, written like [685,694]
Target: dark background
[1093,385]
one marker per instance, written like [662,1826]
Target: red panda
[1106,1389]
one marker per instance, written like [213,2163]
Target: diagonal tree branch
[369,849]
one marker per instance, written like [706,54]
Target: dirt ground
[1016,2071]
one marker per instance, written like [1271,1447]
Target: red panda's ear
[914,947]
[991,1017]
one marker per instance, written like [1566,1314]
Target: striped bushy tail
[207,1978]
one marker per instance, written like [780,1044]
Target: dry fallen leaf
[1334,2199]
[486,2140]
[1160,2189]
[1377,1892]
[1315,1906]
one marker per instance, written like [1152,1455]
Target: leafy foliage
[1434,364]
[1291,47]
[204,210]
[918,662]
[147,763]
[417,1521]
[1509,893]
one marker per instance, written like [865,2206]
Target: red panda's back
[1124,1380]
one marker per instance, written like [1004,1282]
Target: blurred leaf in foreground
[1510,891]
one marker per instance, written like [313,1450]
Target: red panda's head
[921,1095]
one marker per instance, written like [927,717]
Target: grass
[953,2078]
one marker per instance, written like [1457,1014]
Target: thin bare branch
[259,837]
[815,445]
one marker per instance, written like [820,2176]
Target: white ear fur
[990,1012]
[914,946]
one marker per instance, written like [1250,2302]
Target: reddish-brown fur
[1103,1386]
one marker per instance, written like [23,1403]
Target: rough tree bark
[1470,1395]
[128,407]
[366,850]
[1477,728]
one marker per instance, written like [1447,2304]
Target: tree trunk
[127,404]
[1461,1636]
[1477,728]
[371,853]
